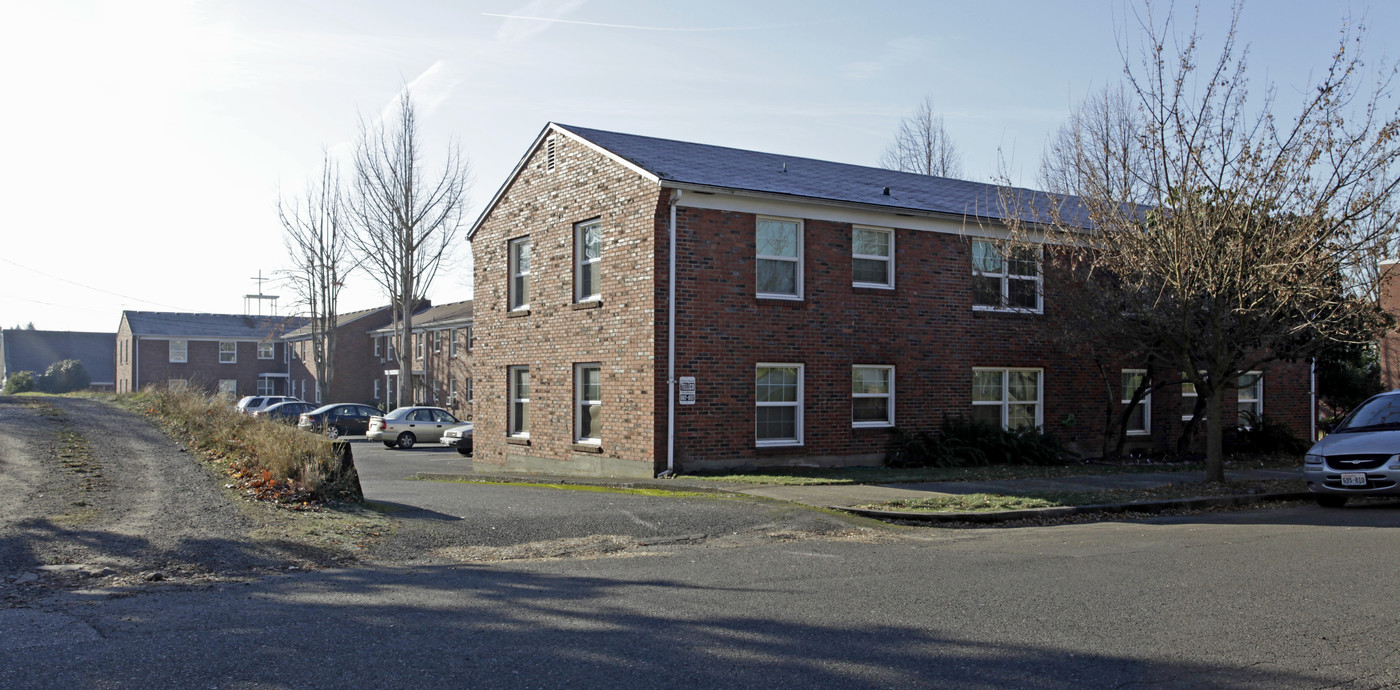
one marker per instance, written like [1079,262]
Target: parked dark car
[338,419]
[285,412]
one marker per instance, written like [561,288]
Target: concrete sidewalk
[847,496]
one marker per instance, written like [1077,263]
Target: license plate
[1353,479]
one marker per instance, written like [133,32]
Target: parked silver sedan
[407,426]
[1361,457]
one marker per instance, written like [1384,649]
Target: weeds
[268,461]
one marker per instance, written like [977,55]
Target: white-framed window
[588,254]
[872,396]
[1251,398]
[179,351]
[471,338]
[779,258]
[437,337]
[266,386]
[177,385]
[520,273]
[228,352]
[318,392]
[286,353]
[588,403]
[377,350]
[451,391]
[519,378]
[392,351]
[1007,398]
[376,389]
[778,397]
[267,350]
[1188,401]
[872,257]
[1006,283]
[469,389]
[418,346]
[1140,421]
[228,388]
[452,343]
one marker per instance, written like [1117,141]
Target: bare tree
[405,222]
[922,145]
[1096,152]
[1260,227]
[317,244]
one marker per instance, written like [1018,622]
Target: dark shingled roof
[807,178]
[340,320]
[232,326]
[443,315]
[25,350]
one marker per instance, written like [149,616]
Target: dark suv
[338,419]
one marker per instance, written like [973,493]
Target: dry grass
[271,460]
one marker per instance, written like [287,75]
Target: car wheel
[389,444]
[333,432]
[406,440]
[463,451]
[1330,500]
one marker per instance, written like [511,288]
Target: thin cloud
[638,27]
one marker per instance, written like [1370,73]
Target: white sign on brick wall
[687,390]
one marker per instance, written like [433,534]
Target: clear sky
[145,141]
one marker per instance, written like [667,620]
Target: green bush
[962,442]
[1265,436]
[19,382]
[65,377]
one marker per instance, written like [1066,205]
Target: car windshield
[1376,413]
[398,413]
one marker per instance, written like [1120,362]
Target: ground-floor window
[1007,398]
[266,386]
[1140,419]
[588,403]
[376,389]
[872,396]
[778,395]
[177,385]
[228,388]
[1251,398]
[519,383]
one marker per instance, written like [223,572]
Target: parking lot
[375,462]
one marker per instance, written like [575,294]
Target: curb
[657,484]
[1064,511]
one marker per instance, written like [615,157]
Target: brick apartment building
[231,354]
[356,362]
[818,305]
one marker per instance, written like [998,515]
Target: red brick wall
[555,335]
[204,370]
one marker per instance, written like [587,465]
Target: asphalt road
[1282,598]
[438,519]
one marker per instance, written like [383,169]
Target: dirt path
[91,493]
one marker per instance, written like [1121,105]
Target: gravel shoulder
[98,497]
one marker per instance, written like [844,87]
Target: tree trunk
[1215,446]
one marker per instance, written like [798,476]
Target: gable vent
[549,154]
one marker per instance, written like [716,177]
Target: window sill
[517,313]
[778,298]
[1005,310]
[518,440]
[588,447]
[872,425]
[590,304]
[872,286]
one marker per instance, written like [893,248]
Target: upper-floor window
[779,258]
[588,248]
[778,395]
[418,345]
[179,351]
[1006,282]
[872,257]
[471,338]
[1140,420]
[1007,398]
[267,350]
[437,340]
[452,343]
[228,352]
[872,396]
[1251,398]
[520,273]
[377,351]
